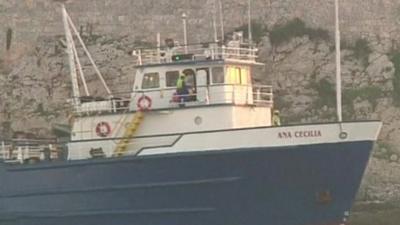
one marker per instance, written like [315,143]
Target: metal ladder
[128,134]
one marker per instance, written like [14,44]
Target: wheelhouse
[208,82]
[220,75]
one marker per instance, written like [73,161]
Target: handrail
[195,52]
[23,150]
[232,93]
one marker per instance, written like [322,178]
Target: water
[376,214]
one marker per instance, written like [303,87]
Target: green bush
[361,50]
[396,79]
[9,38]
[371,93]
[385,155]
[41,111]
[326,92]
[283,33]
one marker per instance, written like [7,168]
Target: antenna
[184,17]
[158,46]
[250,31]
[338,64]
[221,20]
[214,18]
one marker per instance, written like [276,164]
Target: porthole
[198,120]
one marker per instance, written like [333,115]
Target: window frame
[152,87]
[166,78]
[212,75]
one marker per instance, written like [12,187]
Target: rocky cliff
[295,42]
[141,19]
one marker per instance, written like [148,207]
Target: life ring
[103,129]
[144,103]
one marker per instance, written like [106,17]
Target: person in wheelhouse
[181,88]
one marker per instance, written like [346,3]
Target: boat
[211,156]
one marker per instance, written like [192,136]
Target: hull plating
[301,185]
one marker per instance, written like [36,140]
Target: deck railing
[257,95]
[194,52]
[29,151]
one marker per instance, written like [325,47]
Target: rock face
[29,19]
[35,84]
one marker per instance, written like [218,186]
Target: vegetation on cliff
[283,33]
[396,79]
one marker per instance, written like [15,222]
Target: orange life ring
[103,129]
[144,103]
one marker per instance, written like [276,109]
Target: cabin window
[217,75]
[245,75]
[171,78]
[233,75]
[151,80]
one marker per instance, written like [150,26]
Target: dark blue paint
[276,186]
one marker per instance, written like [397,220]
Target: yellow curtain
[233,75]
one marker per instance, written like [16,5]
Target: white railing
[263,95]
[258,95]
[29,151]
[111,106]
[195,52]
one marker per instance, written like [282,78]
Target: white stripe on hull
[273,137]
[234,139]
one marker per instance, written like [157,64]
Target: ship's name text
[300,134]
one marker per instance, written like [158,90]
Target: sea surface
[376,214]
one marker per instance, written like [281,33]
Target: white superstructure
[221,95]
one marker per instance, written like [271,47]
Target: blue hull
[302,185]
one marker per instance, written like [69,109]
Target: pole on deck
[338,64]
[250,30]
[72,67]
[184,17]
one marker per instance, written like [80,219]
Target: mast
[249,18]
[78,64]
[72,66]
[214,18]
[184,17]
[221,20]
[338,64]
[96,69]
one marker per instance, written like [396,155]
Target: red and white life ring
[144,103]
[103,129]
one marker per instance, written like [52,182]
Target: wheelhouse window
[233,75]
[171,78]
[217,75]
[238,75]
[245,75]
[151,80]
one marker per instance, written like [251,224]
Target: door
[203,81]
